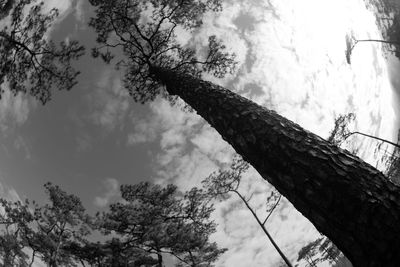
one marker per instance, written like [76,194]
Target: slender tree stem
[379,41]
[373,137]
[272,210]
[264,229]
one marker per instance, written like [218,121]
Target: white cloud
[189,147]
[64,8]
[144,131]
[109,103]
[22,145]
[80,12]
[14,110]
[7,192]
[169,123]
[112,192]
[210,143]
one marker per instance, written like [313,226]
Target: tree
[156,221]
[14,220]
[29,62]
[308,253]
[388,19]
[58,224]
[220,184]
[351,42]
[305,168]
[319,250]
[344,197]
[153,44]
[341,133]
[44,230]
[151,222]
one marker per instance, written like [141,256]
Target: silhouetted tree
[309,252]
[152,44]
[15,219]
[344,197]
[319,250]
[341,131]
[159,221]
[29,61]
[149,223]
[219,184]
[43,230]
[59,223]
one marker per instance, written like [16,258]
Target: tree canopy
[146,32]
[30,62]
[149,222]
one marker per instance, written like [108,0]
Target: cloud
[64,8]
[22,145]
[112,192]
[189,148]
[80,12]
[8,193]
[14,110]
[109,103]
[144,131]
[84,141]
[167,123]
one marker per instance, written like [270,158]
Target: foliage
[29,61]
[150,222]
[340,132]
[319,250]
[14,221]
[219,184]
[157,221]
[45,230]
[146,32]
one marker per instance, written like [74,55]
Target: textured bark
[348,200]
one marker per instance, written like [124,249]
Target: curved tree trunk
[348,200]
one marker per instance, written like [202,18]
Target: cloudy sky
[291,58]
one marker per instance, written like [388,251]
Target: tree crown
[147,34]
[30,62]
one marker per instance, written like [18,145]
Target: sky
[291,57]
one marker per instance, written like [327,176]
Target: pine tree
[29,61]
[345,198]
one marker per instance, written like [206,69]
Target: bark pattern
[345,198]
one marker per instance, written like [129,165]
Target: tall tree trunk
[348,200]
